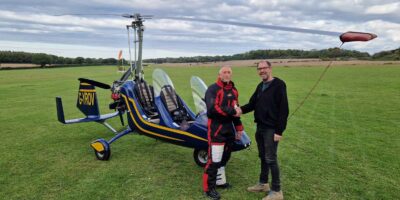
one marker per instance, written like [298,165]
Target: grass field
[344,143]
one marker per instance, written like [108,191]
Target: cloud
[153,4]
[384,8]
[32,23]
[88,51]
[61,20]
[22,30]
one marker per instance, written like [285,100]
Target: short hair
[265,61]
[225,66]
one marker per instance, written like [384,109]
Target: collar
[225,85]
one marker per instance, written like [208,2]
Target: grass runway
[344,143]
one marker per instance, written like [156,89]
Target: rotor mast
[138,27]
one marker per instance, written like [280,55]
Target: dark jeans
[267,151]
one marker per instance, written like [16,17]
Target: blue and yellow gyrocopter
[157,110]
[154,110]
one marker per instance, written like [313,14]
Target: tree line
[324,54]
[387,55]
[43,59]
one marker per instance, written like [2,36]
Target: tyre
[200,157]
[101,149]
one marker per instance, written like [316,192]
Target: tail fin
[87,99]
[60,110]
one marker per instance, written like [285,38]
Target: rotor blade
[349,36]
[94,14]
[262,26]
[137,16]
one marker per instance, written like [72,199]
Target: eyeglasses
[262,68]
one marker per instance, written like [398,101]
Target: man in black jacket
[270,105]
[221,100]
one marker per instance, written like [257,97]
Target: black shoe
[213,194]
[224,186]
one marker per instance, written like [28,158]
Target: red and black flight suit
[221,99]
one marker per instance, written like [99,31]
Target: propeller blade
[95,83]
[121,118]
[126,75]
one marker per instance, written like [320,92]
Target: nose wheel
[101,149]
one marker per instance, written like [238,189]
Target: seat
[174,105]
[145,94]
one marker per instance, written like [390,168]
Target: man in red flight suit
[222,101]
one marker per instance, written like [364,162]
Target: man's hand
[238,112]
[238,135]
[277,137]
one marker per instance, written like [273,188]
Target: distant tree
[68,61]
[387,55]
[89,61]
[271,54]
[59,60]
[79,60]
[41,59]
[109,61]
[99,61]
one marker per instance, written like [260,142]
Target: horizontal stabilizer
[97,118]
[95,83]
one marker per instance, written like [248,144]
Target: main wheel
[200,157]
[101,149]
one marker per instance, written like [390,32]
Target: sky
[36,26]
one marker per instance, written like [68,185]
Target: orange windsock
[120,55]
[357,37]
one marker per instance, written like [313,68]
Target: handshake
[238,111]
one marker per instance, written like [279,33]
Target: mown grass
[343,143]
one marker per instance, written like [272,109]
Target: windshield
[199,89]
[160,79]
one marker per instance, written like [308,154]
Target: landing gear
[101,149]
[200,157]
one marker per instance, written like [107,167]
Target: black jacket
[270,106]
[221,99]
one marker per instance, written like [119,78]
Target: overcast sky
[28,25]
